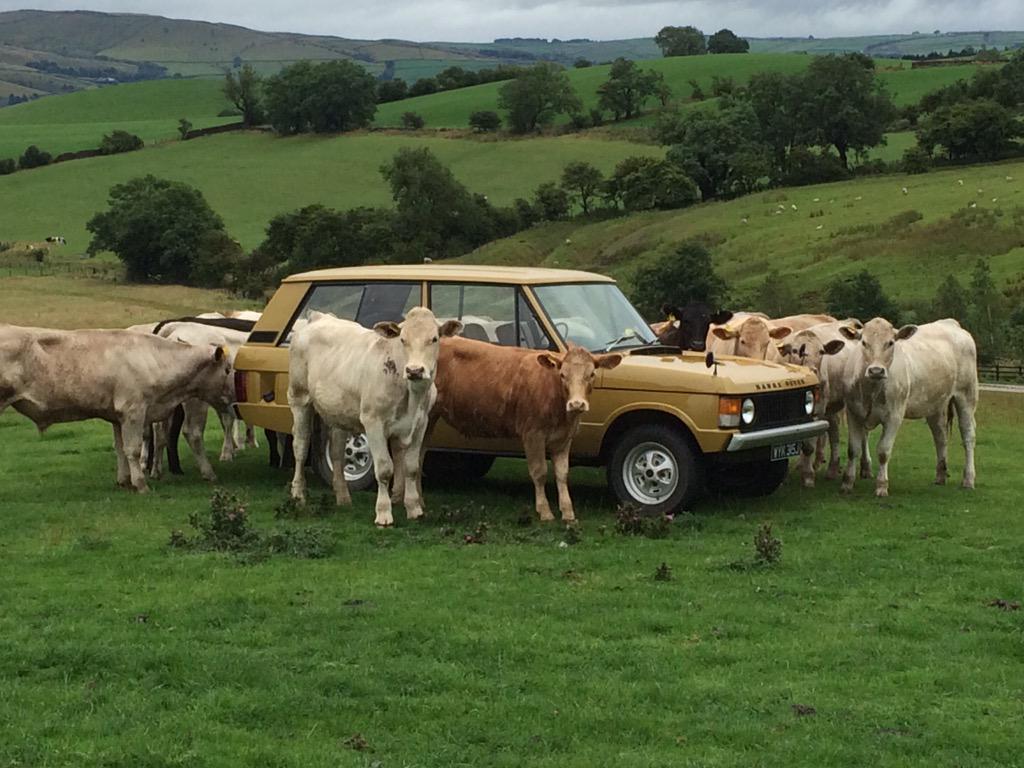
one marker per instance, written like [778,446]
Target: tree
[687,274]
[155,226]
[326,97]
[1010,90]
[34,157]
[551,202]
[951,300]
[392,90]
[627,88]
[860,296]
[644,183]
[582,182]
[775,100]
[412,121]
[423,87]
[776,297]
[7,166]
[844,105]
[680,41]
[582,63]
[986,319]
[536,96]
[485,120]
[119,141]
[316,236]
[184,126]
[982,129]
[243,90]
[217,260]
[696,92]
[726,41]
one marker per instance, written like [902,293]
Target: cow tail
[950,411]
[173,432]
[147,436]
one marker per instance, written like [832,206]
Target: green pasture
[875,640]
[812,235]
[249,178]
[79,120]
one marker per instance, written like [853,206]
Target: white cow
[917,372]
[379,382]
[823,349]
[128,379]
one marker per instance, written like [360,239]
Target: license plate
[785,451]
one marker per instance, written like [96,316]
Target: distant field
[248,178]
[78,120]
[453,108]
[834,230]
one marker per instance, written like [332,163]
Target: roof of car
[453,272]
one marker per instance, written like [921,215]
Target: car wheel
[756,478]
[653,467]
[358,461]
[464,466]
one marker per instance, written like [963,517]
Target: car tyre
[655,468]
[358,465]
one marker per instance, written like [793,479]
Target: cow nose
[577,406]
[876,372]
[697,346]
[415,372]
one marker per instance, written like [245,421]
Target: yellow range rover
[666,424]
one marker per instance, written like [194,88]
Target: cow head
[806,348]
[420,334]
[878,341]
[577,369]
[687,327]
[752,336]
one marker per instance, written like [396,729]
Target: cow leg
[535,447]
[251,439]
[339,438]
[229,424]
[132,429]
[819,451]
[885,443]
[274,453]
[302,416]
[124,477]
[939,425]
[409,461]
[808,462]
[383,469]
[833,447]
[856,438]
[865,459]
[194,428]
[158,434]
[560,460]
[237,443]
[398,481]
[965,406]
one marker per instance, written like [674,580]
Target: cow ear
[724,332]
[721,317]
[547,360]
[853,322]
[607,361]
[667,311]
[450,328]
[388,330]
[850,333]
[833,346]
[906,332]
[780,332]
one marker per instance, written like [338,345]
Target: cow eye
[434,340]
[889,343]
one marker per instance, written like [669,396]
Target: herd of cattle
[395,380]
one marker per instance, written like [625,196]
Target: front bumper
[742,441]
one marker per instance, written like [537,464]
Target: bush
[874,167]
[485,120]
[860,296]
[551,201]
[34,157]
[411,121]
[392,90]
[916,160]
[330,96]
[807,167]
[7,165]
[184,126]
[687,274]
[120,141]
[596,117]
[229,112]
[216,261]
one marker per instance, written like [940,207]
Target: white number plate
[785,451]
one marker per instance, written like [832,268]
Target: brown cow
[484,390]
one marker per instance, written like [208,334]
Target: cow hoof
[881,492]
[546,518]
[846,489]
[384,524]
[210,478]
[832,473]
[227,457]
[968,484]
[808,482]
[343,501]
[940,480]
[865,474]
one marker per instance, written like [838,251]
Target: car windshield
[595,316]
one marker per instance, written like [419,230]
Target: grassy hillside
[887,45]
[248,178]
[813,234]
[79,120]
[453,108]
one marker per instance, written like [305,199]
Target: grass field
[252,177]
[872,641]
[79,120]
[812,234]
[453,108]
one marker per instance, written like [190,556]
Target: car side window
[364,303]
[498,314]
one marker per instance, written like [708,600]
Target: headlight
[809,402]
[747,411]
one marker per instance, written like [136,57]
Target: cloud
[483,20]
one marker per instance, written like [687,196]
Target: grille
[778,409]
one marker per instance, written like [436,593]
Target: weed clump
[663,572]
[767,548]
[293,509]
[630,521]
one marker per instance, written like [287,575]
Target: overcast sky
[483,20]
